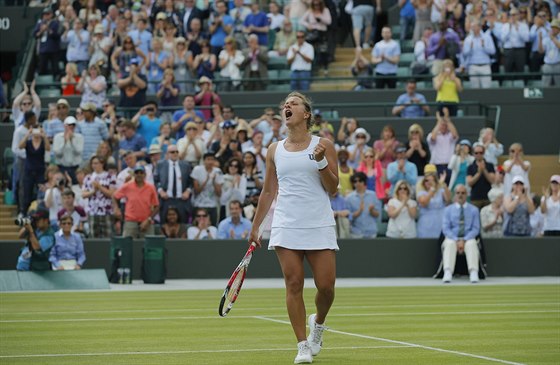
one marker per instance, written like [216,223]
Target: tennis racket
[235,282]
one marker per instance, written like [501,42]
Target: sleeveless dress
[303,218]
[519,223]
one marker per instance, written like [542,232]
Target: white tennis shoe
[304,353]
[315,338]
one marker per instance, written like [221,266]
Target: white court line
[280,315]
[189,352]
[460,353]
[250,309]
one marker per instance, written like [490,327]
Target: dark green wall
[356,258]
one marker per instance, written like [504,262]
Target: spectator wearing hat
[141,37]
[401,169]
[358,148]
[127,171]
[480,177]
[492,215]
[550,207]
[173,182]
[92,128]
[550,47]
[275,133]
[364,207]
[47,33]
[519,206]
[93,86]
[141,205]
[132,141]
[147,122]
[432,196]
[411,104]
[460,162]
[185,115]
[221,148]
[386,55]
[442,140]
[319,123]
[99,48]
[77,39]
[133,87]
[68,148]
[206,98]
[255,64]
[207,186]
[191,147]
[56,124]
[68,251]
[154,157]
[39,241]
[300,57]
[417,151]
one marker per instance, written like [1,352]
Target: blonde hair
[398,185]
[73,67]
[416,128]
[306,104]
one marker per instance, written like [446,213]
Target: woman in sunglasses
[402,212]
[202,229]
[235,185]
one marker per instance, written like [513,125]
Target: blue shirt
[515,38]
[218,38]
[434,49]
[407,11]
[258,20]
[534,35]
[136,143]
[77,49]
[451,221]
[415,109]
[388,49]
[410,174]
[148,128]
[142,40]
[178,115]
[551,52]
[46,241]
[475,53]
[364,225]
[94,132]
[338,203]
[53,127]
[67,248]
[240,230]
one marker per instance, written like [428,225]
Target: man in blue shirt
[515,34]
[140,36]
[401,169]
[40,240]
[461,226]
[220,25]
[478,49]
[234,227]
[93,129]
[78,44]
[68,250]
[364,208]
[257,23]
[411,104]
[147,121]
[550,46]
[541,26]
[385,56]
[132,141]
[185,115]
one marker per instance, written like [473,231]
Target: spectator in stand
[514,35]
[182,117]
[345,135]
[417,151]
[133,87]
[201,228]
[275,17]
[407,19]
[492,148]
[461,226]
[168,93]
[207,183]
[257,23]
[358,148]
[518,206]
[478,49]
[55,124]
[98,189]
[550,47]
[206,98]
[442,140]
[480,177]
[345,173]
[93,86]
[76,212]
[221,147]
[411,104]
[432,195]
[27,100]
[255,64]
[258,149]
[53,197]
[204,63]
[422,9]
[92,128]
[385,146]
[18,168]
[252,174]
[371,166]
[401,209]
[341,213]
[147,122]
[448,87]
[141,37]
[234,187]
[196,37]
[539,30]
[550,207]
[182,64]
[230,59]
[158,61]
[364,208]
[362,70]
[401,169]
[492,215]
[516,165]
[170,34]
[39,241]
[459,163]
[47,32]
[276,133]
[89,10]
[190,13]
[70,80]
[191,147]
[316,21]
[141,205]
[172,226]
[300,57]
[78,40]
[132,141]
[443,45]
[36,145]
[220,25]
[263,123]
[423,62]
[320,124]
[68,148]
[124,57]
[173,182]
[234,226]
[385,56]
[68,250]
[363,13]
[456,18]
[284,39]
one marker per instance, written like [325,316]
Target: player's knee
[294,285]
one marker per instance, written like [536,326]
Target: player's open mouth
[288,114]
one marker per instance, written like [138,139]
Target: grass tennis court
[478,324]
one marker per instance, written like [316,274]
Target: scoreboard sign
[15,24]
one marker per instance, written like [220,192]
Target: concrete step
[6,220]
[7,214]
[8,236]
[332,85]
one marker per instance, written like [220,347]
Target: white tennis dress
[303,218]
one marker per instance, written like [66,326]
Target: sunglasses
[460,193]
[479,153]
[403,188]
[192,129]
[199,121]
[139,172]
[65,223]
[62,107]
[361,137]
[368,156]
[173,151]
[234,165]
[512,151]
[26,103]
[202,215]
[300,36]
[356,181]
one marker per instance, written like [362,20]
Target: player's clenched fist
[319,151]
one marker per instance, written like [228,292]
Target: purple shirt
[442,149]
[436,50]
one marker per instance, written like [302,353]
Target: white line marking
[403,343]
[190,352]
[280,315]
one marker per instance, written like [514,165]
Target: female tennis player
[301,172]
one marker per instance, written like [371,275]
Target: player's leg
[323,266]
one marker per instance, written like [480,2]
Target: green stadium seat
[273,76]
[406,59]
[535,83]
[278,87]
[495,84]
[396,30]
[285,76]
[49,93]
[518,83]
[403,71]
[467,84]
[277,63]
[407,45]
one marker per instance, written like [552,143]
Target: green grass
[510,324]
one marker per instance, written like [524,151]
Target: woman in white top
[550,207]
[201,228]
[402,212]
[301,172]
[235,184]
[516,165]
